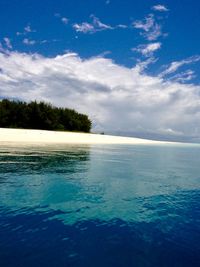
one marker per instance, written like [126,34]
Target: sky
[132,65]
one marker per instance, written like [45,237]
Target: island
[41,115]
[42,123]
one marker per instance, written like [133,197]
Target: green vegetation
[33,115]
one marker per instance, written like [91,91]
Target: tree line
[34,115]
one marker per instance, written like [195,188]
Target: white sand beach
[8,135]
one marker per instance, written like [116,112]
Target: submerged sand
[56,137]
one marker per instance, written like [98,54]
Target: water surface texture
[99,206]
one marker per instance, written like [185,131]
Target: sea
[99,205]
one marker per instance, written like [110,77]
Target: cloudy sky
[132,66]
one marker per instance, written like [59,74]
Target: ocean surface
[99,206]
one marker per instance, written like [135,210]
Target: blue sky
[181,24]
[72,40]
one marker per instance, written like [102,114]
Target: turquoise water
[100,206]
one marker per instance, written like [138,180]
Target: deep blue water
[96,206]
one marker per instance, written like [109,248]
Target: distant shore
[8,135]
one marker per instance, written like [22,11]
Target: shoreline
[28,136]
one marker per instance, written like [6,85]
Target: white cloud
[104,54]
[151,30]
[174,66]
[160,8]
[65,20]
[93,27]
[7,42]
[6,46]
[30,42]
[2,49]
[154,33]
[184,76]
[145,25]
[27,41]
[142,65]
[84,27]
[44,41]
[116,98]
[99,25]
[27,30]
[122,26]
[149,49]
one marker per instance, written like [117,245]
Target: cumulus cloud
[160,8]
[95,26]
[151,30]
[148,49]
[116,98]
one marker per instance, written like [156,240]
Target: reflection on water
[46,159]
[99,206]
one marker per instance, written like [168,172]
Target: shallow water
[100,206]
